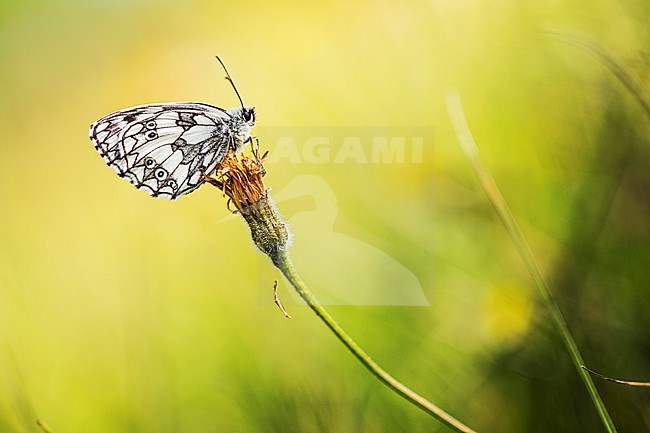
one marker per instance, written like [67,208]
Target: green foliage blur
[123,313]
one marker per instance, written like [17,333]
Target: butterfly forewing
[163,149]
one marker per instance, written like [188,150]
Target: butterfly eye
[248,115]
[149,162]
[151,135]
[161,173]
[150,124]
[172,184]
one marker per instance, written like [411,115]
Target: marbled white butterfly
[168,149]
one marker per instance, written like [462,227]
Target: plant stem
[631,83]
[619,381]
[43,426]
[241,180]
[283,262]
[498,202]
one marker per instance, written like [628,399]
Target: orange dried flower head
[240,178]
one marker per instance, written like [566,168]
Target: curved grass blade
[455,109]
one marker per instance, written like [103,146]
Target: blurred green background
[123,313]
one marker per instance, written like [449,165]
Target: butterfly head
[243,121]
[244,116]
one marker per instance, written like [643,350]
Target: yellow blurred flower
[506,312]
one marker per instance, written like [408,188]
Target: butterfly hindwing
[163,149]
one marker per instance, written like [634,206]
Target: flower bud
[240,178]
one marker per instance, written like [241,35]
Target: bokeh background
[123,313]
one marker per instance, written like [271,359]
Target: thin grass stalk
[495,197]
[615,66]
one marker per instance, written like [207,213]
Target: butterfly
[169,149]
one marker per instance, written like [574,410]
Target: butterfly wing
[163,148]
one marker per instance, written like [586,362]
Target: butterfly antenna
[230,80]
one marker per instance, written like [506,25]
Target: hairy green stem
[498,202]
[283,262]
